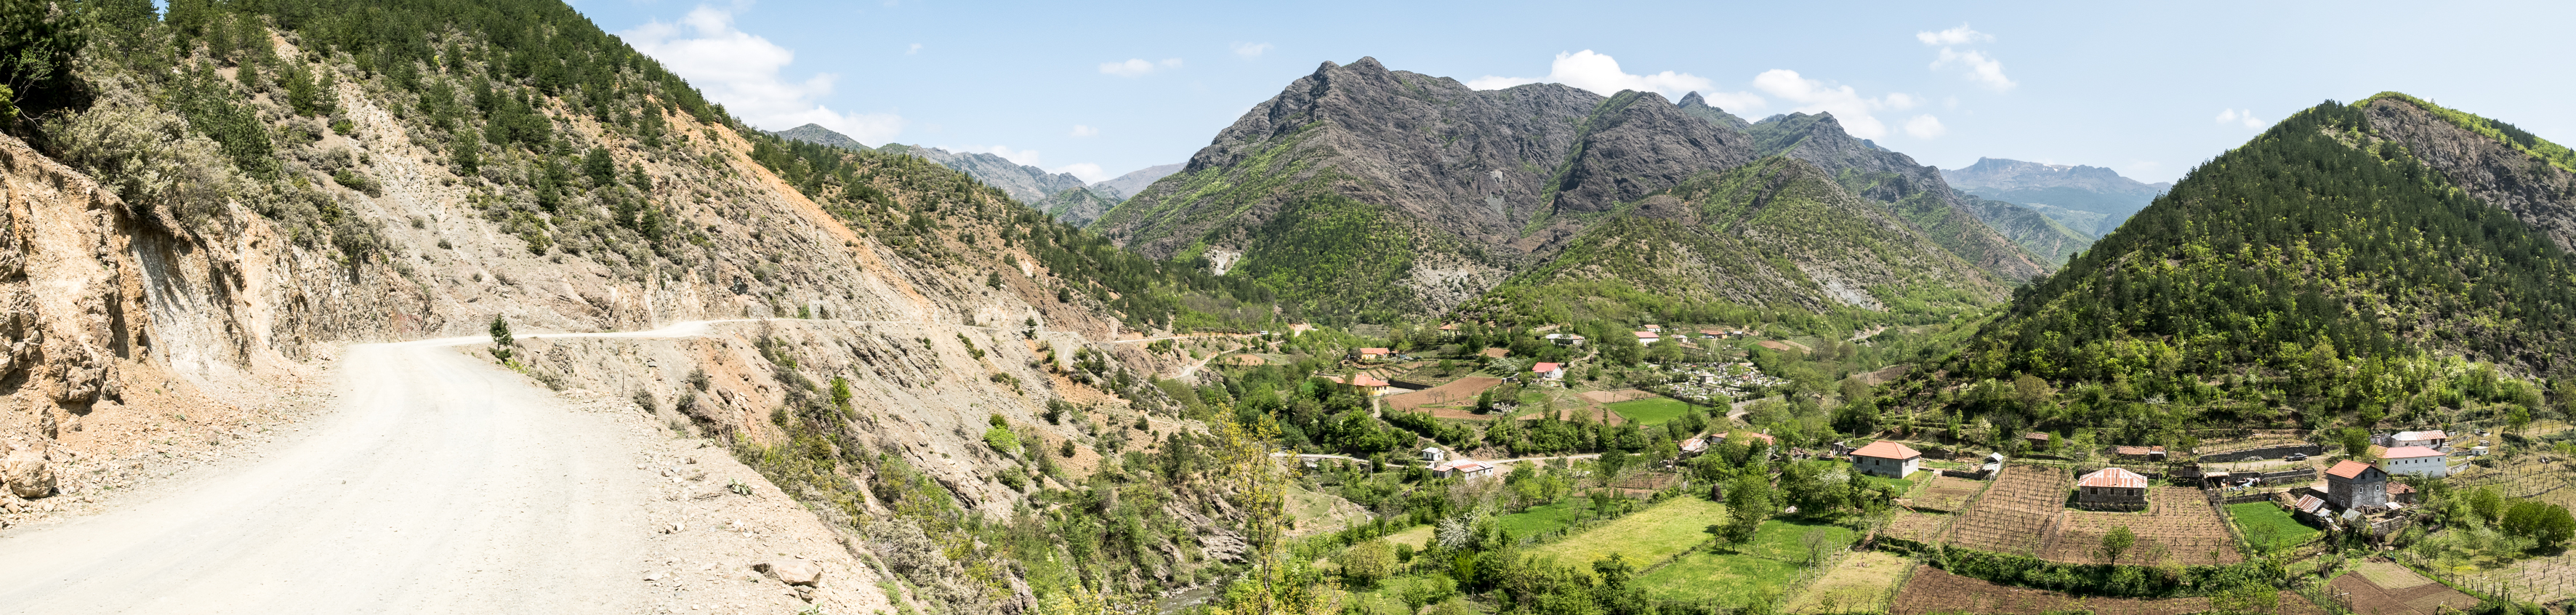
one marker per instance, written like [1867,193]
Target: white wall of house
[2417,466]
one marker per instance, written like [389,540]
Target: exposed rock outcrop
[2540,194]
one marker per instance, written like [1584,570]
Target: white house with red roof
[2415,461]
[1462,468]
[1649,337]
[1887,458]
[2432,439]
[1373,354]
[1548,371]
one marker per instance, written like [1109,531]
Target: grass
[2288,531]
[1653,411]
[1762,566]
[1546,517]
[1419,536]
[1645,537]
[1903,485]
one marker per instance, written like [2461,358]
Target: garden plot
[1922,527]
[1775,560]
[2178,526]
[2382,588]
[1946,494]
[1932,590]
[1644,537]
[2017,514]
[1862,582]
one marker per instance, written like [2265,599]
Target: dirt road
[442,485]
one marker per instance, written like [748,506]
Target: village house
[2111,487]
[1694,447]
[2434,439]
[2415,461]
[1449,330]
[1371,386]
[1649,337]
[1434,455]
[1372,354]
[1548,371]
[1463,468]
[2353,484]
[2400,493]
[1887,458]
[1565,339]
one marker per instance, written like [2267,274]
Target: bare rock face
[25,472]
[2538,193]
[70,292]
[792,571]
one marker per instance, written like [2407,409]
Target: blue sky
[1096,89]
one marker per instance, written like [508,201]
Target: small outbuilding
[2140,453]
[1463,468]
[2433,439]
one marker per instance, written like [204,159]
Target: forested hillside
[1773,241]
[2321,274]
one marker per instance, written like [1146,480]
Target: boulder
[25,473]
[792,572]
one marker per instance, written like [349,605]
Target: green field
[1644,537]
[1651,411]
[1768,563]
[2287,530]
[1546,517]
[1903,485]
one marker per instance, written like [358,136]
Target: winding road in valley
[442,484]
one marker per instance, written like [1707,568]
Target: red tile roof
[1546,367]
[2397,488]
[2348,469]
[2137,450]
[1776,441]
[2419,436]
[1886,449]
[1648,335]
[2409,452]
[1375,351]
[1365,380]
[2113,477]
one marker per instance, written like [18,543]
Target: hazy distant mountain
[1027,184]
[1916,192]
[1077,206]
[2062,189]
[1123,186]
[818,135]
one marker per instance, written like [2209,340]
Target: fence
[2267,452]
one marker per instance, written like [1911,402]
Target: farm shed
[2111,487]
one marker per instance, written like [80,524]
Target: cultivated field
[1946,493]
[2178,526]
[2285,530]
[1617,395]
[1652,411]
[2382,588]
[1457,393]
[1644,537]
[2017,514]
[1771,562]
[1863,582]
[1923,527]
[1933,591]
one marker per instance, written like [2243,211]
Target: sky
[1100,89]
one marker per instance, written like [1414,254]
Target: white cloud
[916,48]
[1600,74]
[1982,69]
[1027,157]
[1848,106]
[1250,50]
[1737,103]
[1137,67]
[1087,171]
[1133,67]
[1924,127]
[740,71]
[1955,36]
[2245,117]
[1085,131]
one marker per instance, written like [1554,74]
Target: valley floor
[443,483]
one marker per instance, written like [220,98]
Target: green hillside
[1776,240]
[2317,275]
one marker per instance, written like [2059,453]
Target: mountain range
[2088,199]
[1061,195]
[1363,190]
